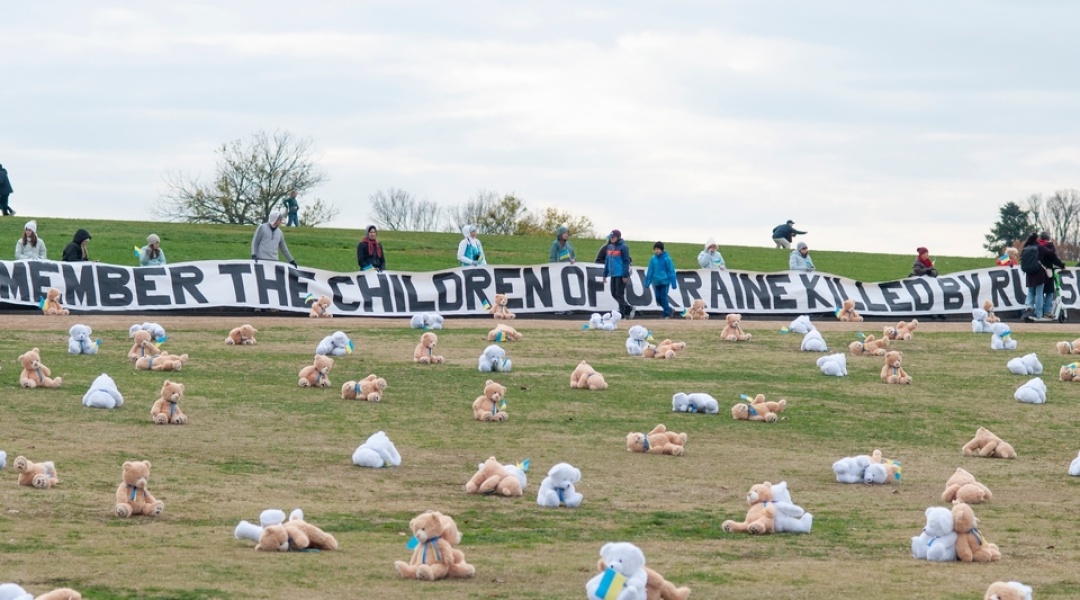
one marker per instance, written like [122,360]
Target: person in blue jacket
[800,258]
[661,276]
[617,267]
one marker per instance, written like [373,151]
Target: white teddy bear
[1008,590]
[157,332]
[426,321]
[268,517]
[1025,365]
[978,321]
[1074,468]
[558,487]
[103,393]
[813,342]
[851,469]
[802,325]
[3,459]
[378,451]
[695,403]
[1032,392]
[1001,337]
[937,542]
[790,518]
[337,344]
[494,360]
[80,342]
[610,320]
[833,364]
[622,559]
[638,340]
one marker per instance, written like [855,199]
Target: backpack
[1029,259]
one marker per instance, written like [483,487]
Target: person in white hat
[151,255]
[269,239]
[30,246]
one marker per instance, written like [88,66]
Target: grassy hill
[335,249]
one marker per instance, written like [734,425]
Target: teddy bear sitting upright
[697,311]
[103,393]
[623,577]
[503,333]
[1001,337]
[893,372]
[424,353]
[132,496]
[557,489]
[317,374]
[937,542]
[846,312]
[377,452]
[434,556]
[494,478]
[1008,590]
[988,445]
[962,487]
[732,331]
[320,309]
[243,335]
[369,389]
[697,402]
[978,321]
[161,362]
[491,405]
[869,346]
[335,344]
[657,441]
[80,341]
[971,545]
[166,409]
[771,510]
[585,377]
[38,475]
[494,360]
[142,345]
[991,318]
[499,307]
[637,340]
[51,304]
[34,373]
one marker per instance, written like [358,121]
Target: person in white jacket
[30,246]
[710,257]
[470,252]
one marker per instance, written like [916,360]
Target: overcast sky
[875,126]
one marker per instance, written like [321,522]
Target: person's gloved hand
[292,262]
[254,258]
[475,263]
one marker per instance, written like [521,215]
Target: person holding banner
[800,258]
[75,251]
[561,249]
[617,267]
[922,265]
[470,252]
[268,240]
[369,254]
[30,246]
[710,257]
[151,255]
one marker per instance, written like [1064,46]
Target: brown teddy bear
[656,587]
[991,318]
[892,372]
[502,333]
[760,517]
[657,441]
[846,312]
[733,332]
[758,410]
[665,349]
[433,555]
[143,346]
[34,374]
[1008,590]
[295,534]
[971,546]
[243,335]
[161,362]
[317,374]
[585,377]
[1070,372]
[369,389]
[489,405]
[132,497]
[424,352]
[906,330]
[988,445]
[869,346]
[696,312]
[962,487]
[495,478]
[39,475]
[320,309]
[499,308]
[166,409]
[51,304]
[1072,347]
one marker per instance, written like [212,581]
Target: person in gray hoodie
[800,258]
[470,252]
[710,257]
[561,249]
[268,240]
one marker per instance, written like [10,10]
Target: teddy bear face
[426,526]
[939,521]
[494,391]
[963,518]
[638,333]
[893,359]
[141,337]
[247,331]
[564,475]
[760,492]
[30,360]
[136,473]
[635,442]
[733,319]
[428,340]
[54,294]
[171,391]
[623,557]
[80,332]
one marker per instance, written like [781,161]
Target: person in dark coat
[75,251]
[5,191]
[369,252]
[782,234]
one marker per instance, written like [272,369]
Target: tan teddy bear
[502,333]
[846,312]
[988,445]
[369,389]
[41,475]
[962,487]
[665,349]
[869,346]
[732,331]
[971,546]
[161,362]
[50,304]
[488,406]
[34,374]
[143,346]
[656,587]
[696,312]
[243,335]
[760,517]
[906,330]
[758,410]
[320,309]
[657,441]
[166,409]
[1072,347]
[1070,372]
[295,534]
[499,308]
[495,478]
[433,556]
[317,374]
[585,377]
[424,352]
[1008,590]
[132,497]
[892,372]
[991,318]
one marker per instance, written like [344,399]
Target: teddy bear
[490,405]
[637,341]
[656,587]
[434,556]
[962,487]
[801,324]
[557,489]
[499,309]
[156,331]
[697,402]
[1074,466]
[971,546]
[132,496]
[892,372]
[252,532]
[758,410]
[3,459]
[760,517]
[789,518]
[1008,590]
[881,470]
[585,377]
[991,318]
[1066,347]
[596,323]
[733,332]
[320,309]
[166,409]
[988,445]
[377,452]
[503,333]
[1070,372]
[161,362]
[426,321]
[937,542]
[50,304]
[79,341]
[623,576]
[905,331]
[851,469]
[317,374]
[295,534]
[494,360]
[697,311]
[657,441]
[813,342]
[336,344]
[103,393]
[1032,392]
[609,321]
[1025,365]
[34,374]
[846,312]
[424,352]
[40,475]
[494,478]
[868,345]
[1001,337]
[243,335]
[369,389]
[665,349]
[11,591]
[833,364]
[978,321]
[142,345]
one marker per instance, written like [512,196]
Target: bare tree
[1059,214]
[398,210]
[471,211]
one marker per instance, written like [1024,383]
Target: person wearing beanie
[369,253]
[561,249]
[470,252]
[292,207]
[75,251]
[922,266]
[30,246]
[151,255]
[661,277]
[5,191]
[617,267]
[710,257]
[269,239]
[800,258]
[782,234]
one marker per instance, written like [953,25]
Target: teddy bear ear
[147,463]
[35,350]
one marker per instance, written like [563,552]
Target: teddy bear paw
[756,529]
[374,397]
[501,416]
[677,451]
[728,526]
[41,482]
[180,420]
[123,510]
[161,419]
[424,573]
[159,506]
[26,383]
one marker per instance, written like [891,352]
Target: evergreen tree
[1014,224]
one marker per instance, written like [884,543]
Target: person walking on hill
[75,251]
[660,275]
[151,255]
[30,246]
[617,267]
[782,234]
[470,252]
[369,253]
[800,258]
[561,249]
[922,265]
[710,257]
[5,191]
[292,207]
[269,239]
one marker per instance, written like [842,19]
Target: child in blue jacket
[661,276]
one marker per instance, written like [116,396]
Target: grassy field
[256,441]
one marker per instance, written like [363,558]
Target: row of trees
[1057,213]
